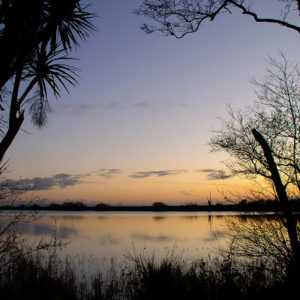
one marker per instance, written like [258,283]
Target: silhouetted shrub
[142,278]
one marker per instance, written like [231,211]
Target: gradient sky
[136,128]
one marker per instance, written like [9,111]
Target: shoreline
[245,207]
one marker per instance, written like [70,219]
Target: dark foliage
[37,277]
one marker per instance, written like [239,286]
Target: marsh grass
[207,278]
[41,272]
[43,275]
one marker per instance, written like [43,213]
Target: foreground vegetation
[38,276]
[257,265]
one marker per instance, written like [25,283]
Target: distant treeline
[242,206]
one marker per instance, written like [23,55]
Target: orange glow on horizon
[186,188]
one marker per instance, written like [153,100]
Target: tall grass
[45,276]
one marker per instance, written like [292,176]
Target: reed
[43,275]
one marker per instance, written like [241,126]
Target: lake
[116,234]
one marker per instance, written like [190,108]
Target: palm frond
[49,69]
[72,22]
[39,109]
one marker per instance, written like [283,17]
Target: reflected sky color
[135,130]
[118,234]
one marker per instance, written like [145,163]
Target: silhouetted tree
[180,17]
[35,39]
[24,25]
[102,205]
[260,238]
[264,139]
[73,205]
[159,204]
[45,70]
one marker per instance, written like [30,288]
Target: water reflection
[113,234]
[39,229]
[109,240]
[214,236]
[158,218]
[191,218]
[160,238]
[72,217]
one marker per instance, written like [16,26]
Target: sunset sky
[135,130]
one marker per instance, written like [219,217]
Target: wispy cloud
[45,183]
[160,173]
[142,105]
[60,180]
[108,173]
[154,105]
[213,174]
[157,105]
[73,110]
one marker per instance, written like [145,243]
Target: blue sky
[144,110]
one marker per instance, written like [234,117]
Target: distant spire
[209,200]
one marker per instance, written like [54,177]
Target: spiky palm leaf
[47,69]
[71,22]
[26,24]
[39,110]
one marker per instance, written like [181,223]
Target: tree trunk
[291,223]
[13,129]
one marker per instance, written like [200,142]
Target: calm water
[113,234]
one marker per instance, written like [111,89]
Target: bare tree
[262,238]
[263,140]
[276,116]
[180,17]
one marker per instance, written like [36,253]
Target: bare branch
[181,17]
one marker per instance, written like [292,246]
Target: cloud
[213,174]
[159,173]
[45,183]
[60,180]
[157,105]
[142,105]
[73,110]
[64,180]
[108,173]
[154,105]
